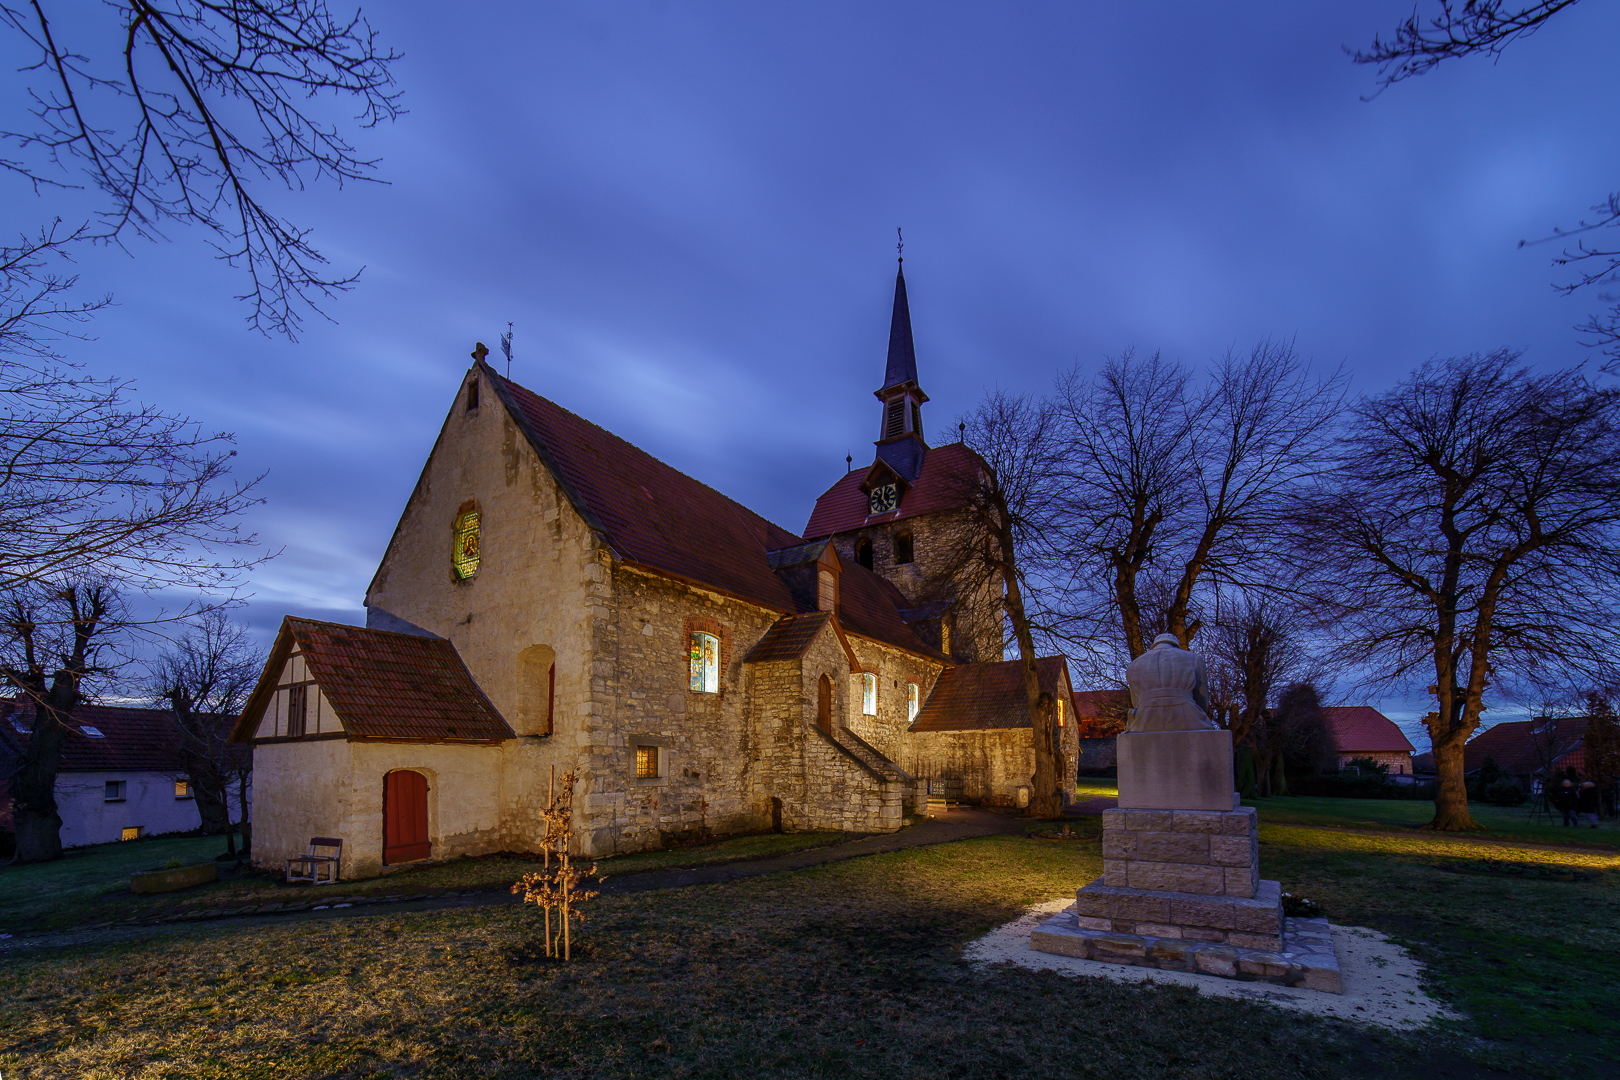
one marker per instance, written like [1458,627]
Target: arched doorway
[824,691]
[405,817]
[776,814]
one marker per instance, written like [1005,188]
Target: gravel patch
[1382,983]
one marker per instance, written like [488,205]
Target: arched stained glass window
[869,694]
[465,554]
[705,663]
[912,703]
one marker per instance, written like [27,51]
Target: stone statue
[1169,689]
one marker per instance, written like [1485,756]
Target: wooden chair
[320,865]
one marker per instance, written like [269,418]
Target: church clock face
[884,498]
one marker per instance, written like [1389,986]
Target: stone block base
[1251,922]
[1305,956]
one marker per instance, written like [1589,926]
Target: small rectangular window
[912,704]
[903,547]
[1060,712]
[646,762]
[132,832]
[705,663]
[113,791]
[182,789]
[297,709]
[472,395]
[869,694]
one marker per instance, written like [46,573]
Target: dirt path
[961,823]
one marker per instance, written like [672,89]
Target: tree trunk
[33,788]
[1451,789]
[209,795]
[1046,799]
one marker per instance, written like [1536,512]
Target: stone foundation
[1181,891]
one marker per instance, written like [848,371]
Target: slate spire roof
[902,367]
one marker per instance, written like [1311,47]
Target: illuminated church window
[912,702]
[869,695]
[466,540]
[705,663]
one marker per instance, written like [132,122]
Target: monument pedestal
[1181,891]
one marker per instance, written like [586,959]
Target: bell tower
[900,441]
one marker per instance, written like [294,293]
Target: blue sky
[688,211]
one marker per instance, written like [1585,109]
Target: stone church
[555,599]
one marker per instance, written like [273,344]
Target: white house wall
[149,802]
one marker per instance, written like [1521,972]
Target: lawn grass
[850,969]
[1500,821]
[91,884]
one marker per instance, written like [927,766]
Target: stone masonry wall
[1209,852]
[936,541]
[707,740]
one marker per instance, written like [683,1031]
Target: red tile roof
[650,513]
[788,638]
[1099,714]
[1525,747]
[1363,729]
[658,518]
[944,484]
[383,685]
[133,740]
[978,697]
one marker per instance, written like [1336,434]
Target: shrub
[1357,787]
[1504,792]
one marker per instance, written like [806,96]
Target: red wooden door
[405,819]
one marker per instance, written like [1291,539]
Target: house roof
[383,685]
[658,518]
[979,697]
[1362,728]
[1525,747]
[131,740]
[788,638]
[944,483]
[1101,703]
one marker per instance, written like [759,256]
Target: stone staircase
[901,789]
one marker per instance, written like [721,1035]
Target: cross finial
[899,244]
[480,350]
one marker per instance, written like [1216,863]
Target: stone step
[1305,959]
[1251,922]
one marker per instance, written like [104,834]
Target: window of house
[869,694]
[705,663]
[297,710]
[863,552]
[93,732]
[913,700]
[465,553]
[1060,712]
[472,395]
[902,547]
[646,762]
[182,789]
[132,832]
[113,791]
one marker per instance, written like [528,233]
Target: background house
[120,776]
[1528,749]
[1361,731]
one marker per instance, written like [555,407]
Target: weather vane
[900,244]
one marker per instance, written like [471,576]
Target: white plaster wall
[541,581]
[332,787]
[88,818]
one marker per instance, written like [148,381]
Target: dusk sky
[688,212]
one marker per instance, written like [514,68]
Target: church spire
[900,434]
[902,353]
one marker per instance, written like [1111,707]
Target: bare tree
[92,484]
[1291,731]
[204,678]
[57,638]
[1002,546]
[1486,28]
[1183,486]
[1471,526]
[186,108]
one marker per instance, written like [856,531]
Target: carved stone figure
[1169,689]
